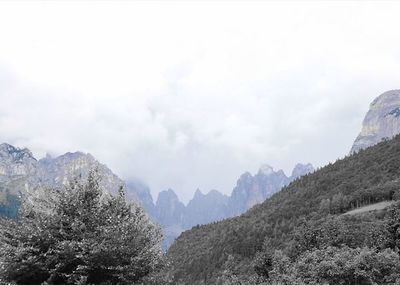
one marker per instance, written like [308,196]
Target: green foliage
[341,266]
[328,251]
[263,262]
[370,176]
[79,235]
[393,227]
[352,231]
[229,276]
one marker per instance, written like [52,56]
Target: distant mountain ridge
[251,190]
[214,206]
[20,171]
[202,254]
[336,188]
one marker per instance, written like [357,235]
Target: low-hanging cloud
[161,94]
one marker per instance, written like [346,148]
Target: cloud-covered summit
[185,103]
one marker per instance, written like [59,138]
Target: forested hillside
[315,201]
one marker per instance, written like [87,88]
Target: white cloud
[188,95]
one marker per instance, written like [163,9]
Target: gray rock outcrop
[21,172]
[251,190]
[381,122]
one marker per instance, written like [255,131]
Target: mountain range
[214,206]
[20,171]
[311,213]
[202,254]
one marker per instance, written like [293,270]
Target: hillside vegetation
[314,202]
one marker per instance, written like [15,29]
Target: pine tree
[78,235]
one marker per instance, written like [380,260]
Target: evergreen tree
[78,235]
[393,227]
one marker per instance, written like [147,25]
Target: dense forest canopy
[199,256]
[78,235]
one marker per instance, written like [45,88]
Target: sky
[188,95]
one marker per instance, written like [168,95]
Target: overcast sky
[188,95]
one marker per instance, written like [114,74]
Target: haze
[191,95]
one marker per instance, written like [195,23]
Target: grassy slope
[198,255]
[373,207]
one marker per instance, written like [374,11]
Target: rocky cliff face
[20,172]
[139,190]
[300,170]
[251,190]
[62,169]
[381,122]
[205,208]
[175,217]
[214,206]
[169,213]
[169,209]
[16,162]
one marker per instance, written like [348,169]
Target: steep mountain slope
[15,162]
[300,170]
[214,206]
[18,172]
[169,209]
[369,176]
[60,170]
[251,190]
[381,122]
[205,208]
[142,192]
[169,214]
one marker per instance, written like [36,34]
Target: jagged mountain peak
[245,175]
[215,193]
[75,155]
[167,195]
[302,169]
[266,169]
[5,147]
[19,163]
[15,153]
[15,162]
[169,209]
[62,169]
[212,194]
[198,193]
[20,172]
[381,122]
[205,208]
[71,156]
[251,190]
